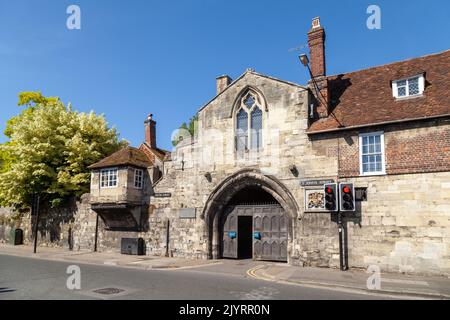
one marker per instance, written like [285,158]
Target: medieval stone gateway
[220,213]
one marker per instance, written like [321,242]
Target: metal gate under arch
[269,231]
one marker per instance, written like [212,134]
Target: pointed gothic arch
[224,192]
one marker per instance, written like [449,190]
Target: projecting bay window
[372,155]
[108,178]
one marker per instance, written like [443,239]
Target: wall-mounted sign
[186,213]
[162,195]
[307,183]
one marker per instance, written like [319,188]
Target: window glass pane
[378,139]
[242,123]
[401,83]
[378,158]
[365,149]
[378,148]
[365,159]
[365,168]
[249,101]
[372,167]
[401,91]
[256,127]
[242,130]
[379,166]
[371,148]
[413,85]
[364,140]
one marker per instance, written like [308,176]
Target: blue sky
[134,57]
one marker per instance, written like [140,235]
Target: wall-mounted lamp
[304,59]
[293,170]
[208,176]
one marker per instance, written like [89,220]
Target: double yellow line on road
[252,273]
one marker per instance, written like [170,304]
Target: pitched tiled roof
[157,152]
[364,98]
[125,156]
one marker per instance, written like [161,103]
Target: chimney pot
[150,131]
[316,23]
[222,83]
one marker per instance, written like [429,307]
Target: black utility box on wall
[133,246]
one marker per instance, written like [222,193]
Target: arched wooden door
[269,232]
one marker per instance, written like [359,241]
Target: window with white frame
[138,178]
[108,178]
[372,157]
[249,118]
[410,87]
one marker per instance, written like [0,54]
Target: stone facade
[309,136]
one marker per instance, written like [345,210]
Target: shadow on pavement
[4,290]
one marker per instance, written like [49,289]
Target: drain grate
[108,291]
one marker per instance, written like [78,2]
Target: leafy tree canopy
[49,150]
[186,131]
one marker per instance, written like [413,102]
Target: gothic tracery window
[249,119]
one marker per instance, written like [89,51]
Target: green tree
[49,150]
[186,130]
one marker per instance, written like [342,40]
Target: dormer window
[409,87]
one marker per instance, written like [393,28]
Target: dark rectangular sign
[306,183]
[162,195]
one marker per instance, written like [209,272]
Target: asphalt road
[28,278]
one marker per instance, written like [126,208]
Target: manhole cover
[109,291]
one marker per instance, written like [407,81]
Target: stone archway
[224,192]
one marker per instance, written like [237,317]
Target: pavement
[356,280]
[104,258]
[352,281]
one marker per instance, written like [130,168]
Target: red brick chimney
[316,42]
[150,131]
[223,82]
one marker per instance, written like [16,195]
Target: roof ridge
[390,63]
[252,71]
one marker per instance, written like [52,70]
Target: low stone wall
[69,226]
[7,224]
